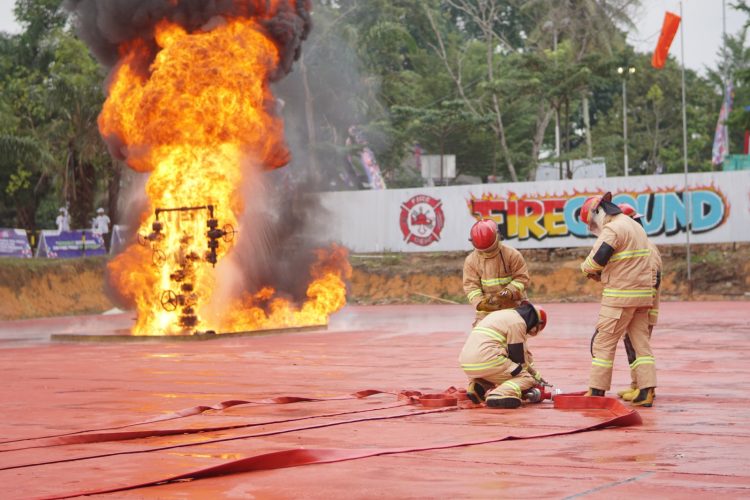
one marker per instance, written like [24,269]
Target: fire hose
[449,400]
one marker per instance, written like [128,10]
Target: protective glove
[505,298]
[594,276]
[488,304]
[500,300]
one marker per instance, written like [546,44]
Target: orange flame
[201,110]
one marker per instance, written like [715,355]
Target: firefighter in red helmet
[495,276]
[653,314]
[496,358]
[620,259]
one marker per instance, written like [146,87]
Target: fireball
[194,109]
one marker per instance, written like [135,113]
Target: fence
[537,214]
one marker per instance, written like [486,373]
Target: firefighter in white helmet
[620,259]
[496,359]
[495,276]
[653,314]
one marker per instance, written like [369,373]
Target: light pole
[624,71]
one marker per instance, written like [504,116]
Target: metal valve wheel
[169,300]
[158,258]
[229,232]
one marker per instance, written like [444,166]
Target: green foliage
[51,153]
[483,80]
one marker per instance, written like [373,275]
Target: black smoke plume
[286,230]
[106,24]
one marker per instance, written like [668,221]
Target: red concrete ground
[694,442]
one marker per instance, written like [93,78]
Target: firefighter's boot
[645,397]
[476,392]
[629,395]
[595,392]
[503,402]
[623,392]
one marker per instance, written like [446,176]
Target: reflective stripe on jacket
[488,341]
[486,273]
[623,257]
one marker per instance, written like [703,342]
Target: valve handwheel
[169,300]
[229,232]
[158,258]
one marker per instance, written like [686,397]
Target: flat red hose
[622,417]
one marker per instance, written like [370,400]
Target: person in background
[63,220]
[100,226]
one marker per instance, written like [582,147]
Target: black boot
[495,402]
[645,398]
[476,392]
[595,392]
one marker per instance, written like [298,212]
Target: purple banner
[70,244]
[14,243]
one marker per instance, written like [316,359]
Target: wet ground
[694,442]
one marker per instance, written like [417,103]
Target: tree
[578,29]
[51,97]
[436,125]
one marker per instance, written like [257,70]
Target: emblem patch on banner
[422,220]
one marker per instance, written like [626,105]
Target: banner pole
[687,200]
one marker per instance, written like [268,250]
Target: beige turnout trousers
[612,325]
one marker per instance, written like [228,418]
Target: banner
[69,244]
[537,214]
[720,148]
[668,31]
[366,159]
[14,243]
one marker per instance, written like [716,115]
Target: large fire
[196,116]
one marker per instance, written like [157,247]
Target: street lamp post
[624,72]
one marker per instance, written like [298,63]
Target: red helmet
[629,210]
[542,314]
[483,234]
[591,204]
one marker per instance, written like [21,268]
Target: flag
[721,137]
[668,31]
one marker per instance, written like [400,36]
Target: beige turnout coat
[488,272]
[622,254]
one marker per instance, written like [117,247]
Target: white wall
[537,214]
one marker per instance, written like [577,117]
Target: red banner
[668,31]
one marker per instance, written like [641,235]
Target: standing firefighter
[621,260]
[653,314]
[495,275]
[496,359]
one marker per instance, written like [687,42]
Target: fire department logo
[422,220]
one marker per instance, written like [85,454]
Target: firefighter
[621,260]
[653,314]
[496,359]
[495,276]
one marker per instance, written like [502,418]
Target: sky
[702,21]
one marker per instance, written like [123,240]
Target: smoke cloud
[106,24]
[282,223]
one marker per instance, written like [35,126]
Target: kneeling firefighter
[496,359]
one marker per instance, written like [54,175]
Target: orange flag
[668,31]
